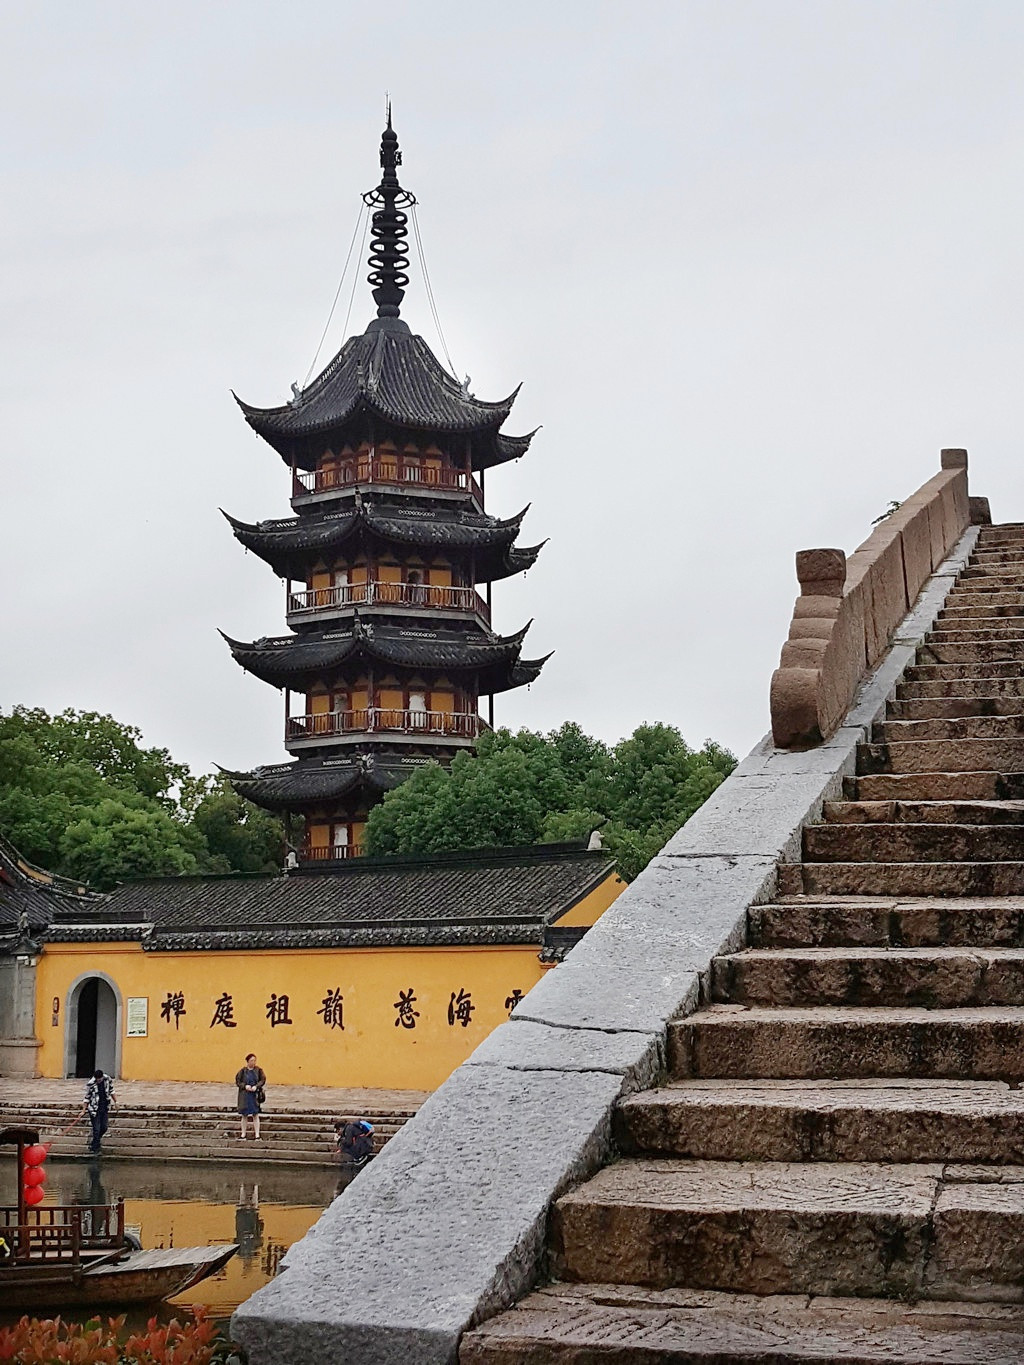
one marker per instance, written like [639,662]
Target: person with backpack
[355,1140]
[251,1083]
[99,1100]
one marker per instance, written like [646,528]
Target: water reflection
[261,1206]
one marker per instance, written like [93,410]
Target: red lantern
[34,1175]
[35,1155]
[34,1194]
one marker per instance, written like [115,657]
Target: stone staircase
[198,1133]
[833,1169]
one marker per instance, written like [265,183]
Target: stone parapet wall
[849,608]
[448,1225]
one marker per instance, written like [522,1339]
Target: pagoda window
[417,708]
[340,840]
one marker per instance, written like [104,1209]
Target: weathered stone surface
[761,1228]
[902,842]
[978,1243]
[913,879]
[944,756]
[1009,726]
[900,1120]
[969,786]
[920,922]
[731,1042]
[640,964]
[450,1220]
[924,812]
[929,978]
[623,1325]
[955,706]
[522,1045]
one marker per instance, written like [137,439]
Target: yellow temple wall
[373,1049]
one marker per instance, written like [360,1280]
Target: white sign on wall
[137,1017]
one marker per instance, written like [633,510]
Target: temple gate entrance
[93,1027]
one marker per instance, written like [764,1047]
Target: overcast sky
[754,263]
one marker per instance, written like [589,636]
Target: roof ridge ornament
[389,248]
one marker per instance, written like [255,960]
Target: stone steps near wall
[905,842]
[919,878]
[942,756]
[899,730]
[992,813]
[956,706]
[609,1324]
[926,978]
[838,1228]
[937,786]
[900,1120]
[848,1043]
[194,1133]
[874,922]
[958,679]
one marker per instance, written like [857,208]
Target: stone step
[974,634]
[903,879]
[897,731]
[973,652]
[958,673]
[907,843]
[967,786]
[872,922]
[609,1324]
[822,1120]
[731,1042]
[1003,574]
[942,756]
[841,1228]
[954,707]
[929,978]
[924,812]
[985,599]
[985,614]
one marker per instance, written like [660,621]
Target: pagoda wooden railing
[370,719]
[62,1232]
[405,471]
[378,592]
[329,853]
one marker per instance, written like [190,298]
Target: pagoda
[390,649]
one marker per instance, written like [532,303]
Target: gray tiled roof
[482,896]
[28,890]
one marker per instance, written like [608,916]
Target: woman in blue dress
[250,1081]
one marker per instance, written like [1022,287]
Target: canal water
[263,1207]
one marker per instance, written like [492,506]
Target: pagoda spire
[389,249]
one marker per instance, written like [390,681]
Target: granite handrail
[848,609]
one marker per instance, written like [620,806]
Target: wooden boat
[80,1254]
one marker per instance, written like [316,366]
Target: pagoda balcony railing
[329,853]
[378,593]
[391,469]
[377,719]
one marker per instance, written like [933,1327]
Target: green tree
[80,794]
[528,788]
[113,842]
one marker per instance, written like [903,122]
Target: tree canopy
[80,795]
[528,788]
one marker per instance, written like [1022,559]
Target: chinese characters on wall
[331,1013]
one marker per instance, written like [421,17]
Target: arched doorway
[93,1027]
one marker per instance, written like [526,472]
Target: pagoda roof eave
[292,661]
[287,544]
[295,786]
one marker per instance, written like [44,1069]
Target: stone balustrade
[849,608]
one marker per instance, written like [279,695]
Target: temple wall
[373,1041]
[374,1048]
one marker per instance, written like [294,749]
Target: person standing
[250,1080]
[99,1100]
